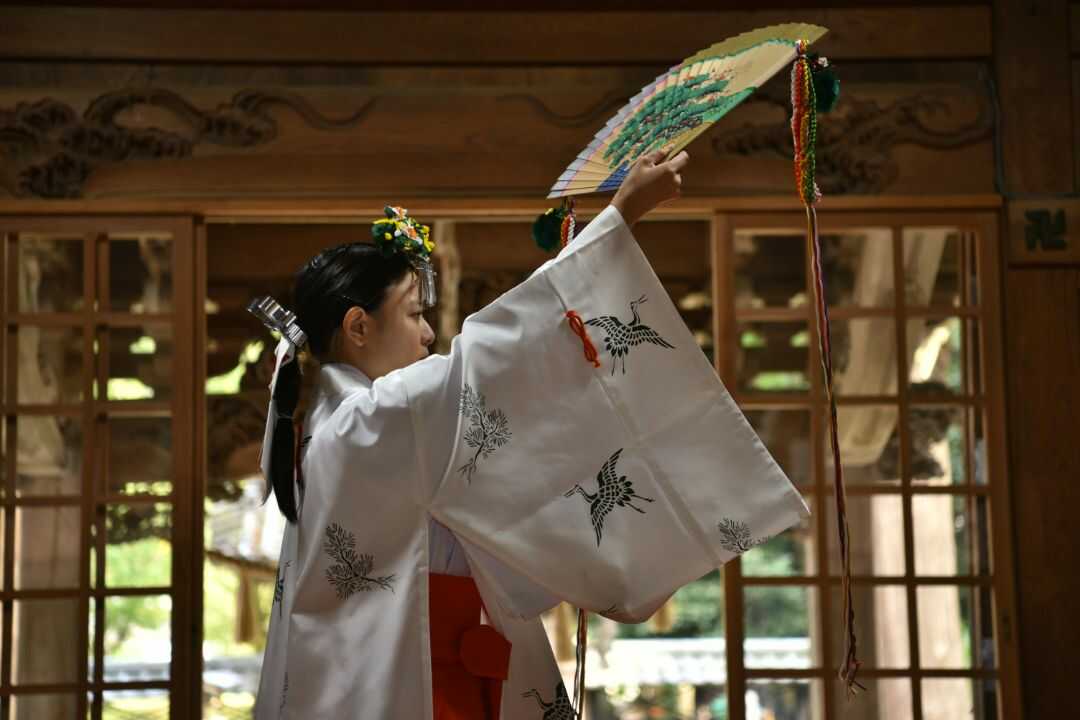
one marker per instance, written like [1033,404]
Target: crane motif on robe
[613,491]
[558,709]
[621,337]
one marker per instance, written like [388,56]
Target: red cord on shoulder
[579,329]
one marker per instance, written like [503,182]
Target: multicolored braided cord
[804,106]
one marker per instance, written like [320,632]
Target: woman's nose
[428,336]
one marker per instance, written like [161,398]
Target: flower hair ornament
[399,233]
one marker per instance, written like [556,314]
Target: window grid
[819,492]
[94,320]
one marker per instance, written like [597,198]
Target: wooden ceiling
[502,5]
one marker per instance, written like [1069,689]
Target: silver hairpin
[276,317]
[427,282]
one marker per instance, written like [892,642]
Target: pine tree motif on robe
[621,337]
[612,491]
[558,709]
[488,431]
[279,586]
[735,536]
[352,572]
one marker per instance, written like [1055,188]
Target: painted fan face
[681,104]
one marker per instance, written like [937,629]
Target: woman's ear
[356,327]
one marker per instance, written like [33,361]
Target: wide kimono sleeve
[608,487]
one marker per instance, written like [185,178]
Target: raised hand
[651,181]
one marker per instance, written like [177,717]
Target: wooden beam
[345,209]
[1034,86]
[1074,26]
[469,38]
[1042,349]
[1041,339]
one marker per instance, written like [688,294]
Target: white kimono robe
[606,487]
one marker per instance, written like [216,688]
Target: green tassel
[826,87]
[547,229]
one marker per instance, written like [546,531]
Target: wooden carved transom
[50,149]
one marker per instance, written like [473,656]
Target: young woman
[574,445]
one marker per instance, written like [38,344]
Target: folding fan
[682,103]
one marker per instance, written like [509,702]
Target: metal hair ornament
[399,233]
[278,319]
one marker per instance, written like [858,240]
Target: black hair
[332,282]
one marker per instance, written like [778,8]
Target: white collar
[339,379]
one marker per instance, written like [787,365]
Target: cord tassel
[578,327]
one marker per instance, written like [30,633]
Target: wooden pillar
[1041,341]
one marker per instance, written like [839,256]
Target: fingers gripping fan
[682,103]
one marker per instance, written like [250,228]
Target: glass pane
[3,443]
[780,627]
[786,434]
[140,272]
[950,632]
[973,364]
[139,549]
[770,269]
[858,265]
[941,534]
[150,440]
[958,699]
[50,455]
[44,632]
[140,363]
[782,698]
[884,699]
[864,356]
[936,361]
[47,543]
[791,553]
[979,461]
[881,621]
[142,704]
[94,606]
[50,365]
[877,521]
[933,264]
[869,445]
[138,640]
[937,439]
[772,357]
[50,270]
[43,706]
[980,533]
